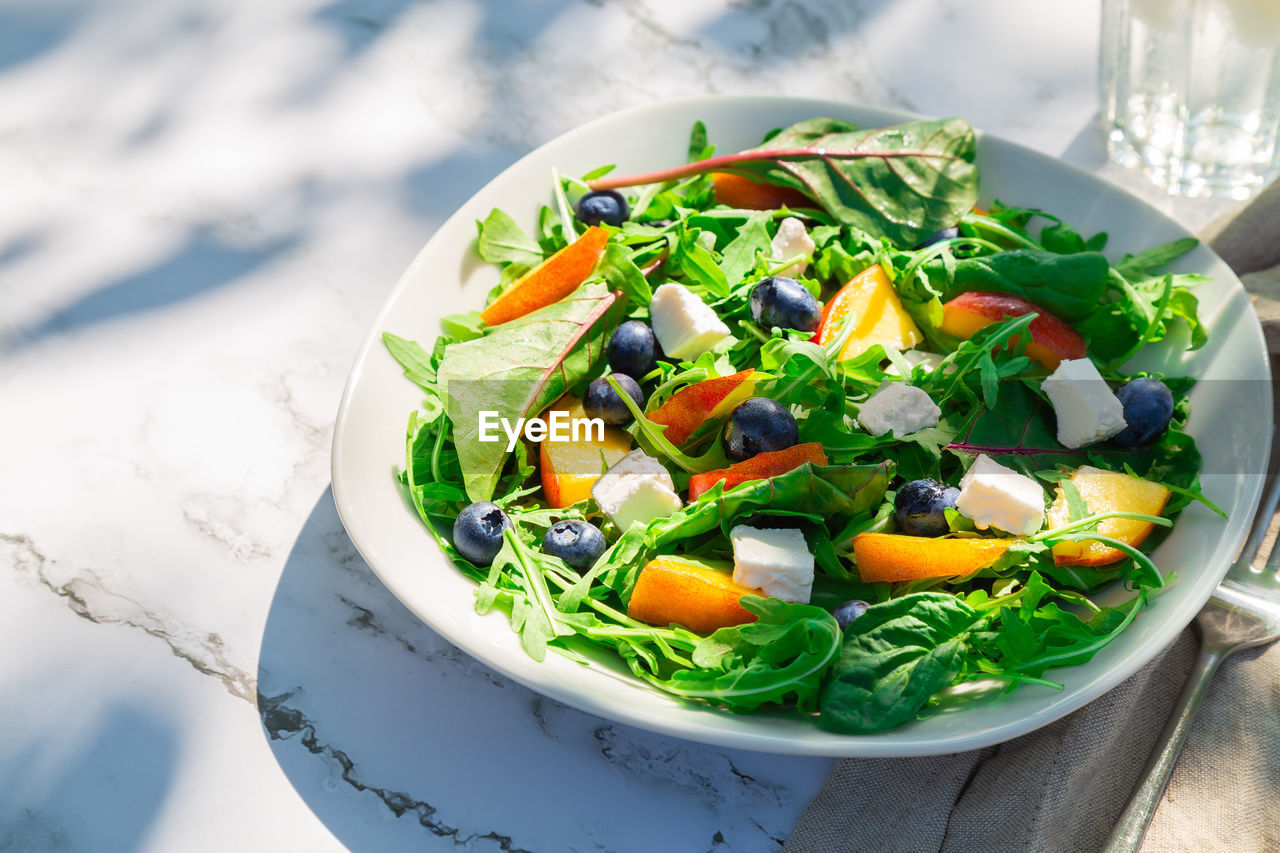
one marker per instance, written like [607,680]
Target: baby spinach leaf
[780,657]
[1069,286]
[502,241]
[895,656]
[903,182]
[519,369]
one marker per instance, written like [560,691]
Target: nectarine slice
[691,406]
[699,596]
[877,315]
[550,281]
[1107,491]
[737,191]
[1052,340]
[896,557]
[569,468]
[758,467]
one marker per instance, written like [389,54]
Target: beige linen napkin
[1062,787]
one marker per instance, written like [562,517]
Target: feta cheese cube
[792,241]
[995,496]
[684,324]
[776,562]
[1087,410]
[637,488]
[900,408]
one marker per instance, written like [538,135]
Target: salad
[804,428]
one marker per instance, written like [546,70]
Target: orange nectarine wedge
[694,594]
[569,468]
[550,281]
[691,406]
[1052,339]
[896,557]
[876,312]
[1107,491]
[744,193]
[758,467]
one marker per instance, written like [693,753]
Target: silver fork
[1244,611]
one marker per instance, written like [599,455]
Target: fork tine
[1261,522]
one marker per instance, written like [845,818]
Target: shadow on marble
[434,189]
[202,263]
[97,789]
[20,247]
[396,739]
[31,29]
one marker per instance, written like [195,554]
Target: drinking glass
[1191,92]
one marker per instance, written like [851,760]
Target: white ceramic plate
[1231,422]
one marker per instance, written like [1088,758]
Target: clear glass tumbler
[1191,92]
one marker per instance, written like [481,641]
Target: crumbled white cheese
[637,488]
[793,241]
[777,562]
[995,496]
[1087,410]
[684,324]
[900,408]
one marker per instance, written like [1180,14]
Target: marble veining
[206,203]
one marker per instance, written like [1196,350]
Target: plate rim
[834,745]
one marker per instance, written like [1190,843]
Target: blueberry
[1148,408]
[578,543]
[602,402]
[759,425]
[919,507]
[938,236]
[633,349]
[606,206]
[477,532]
[785,303]
[849,611]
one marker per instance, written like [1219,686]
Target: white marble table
[204,202]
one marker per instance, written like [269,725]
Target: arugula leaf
[696,263]
[903,182]
[1022,434]
[502,241]
[1077,506]
[698,142]
[815,492]
[519,369]
[464,326]
[896,656]
[778,658]
[1144,263]
[752,239]
[1143,303]
[414,359]
[620,272]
